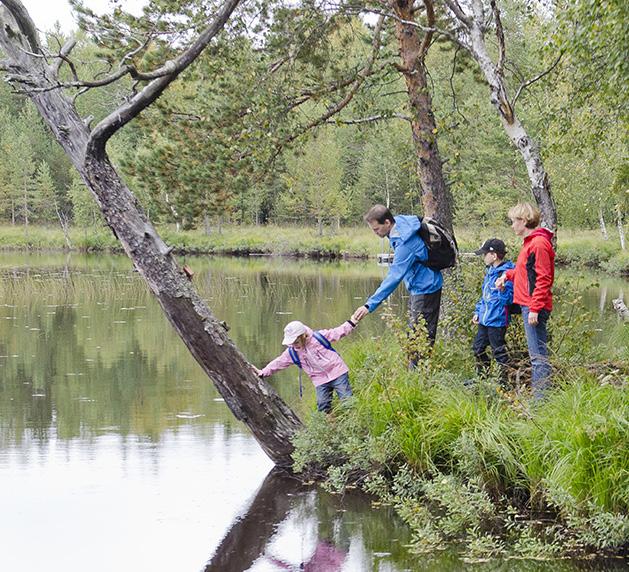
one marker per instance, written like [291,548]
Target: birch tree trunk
[621,227]
[249,398]
[475,22]
[601,221]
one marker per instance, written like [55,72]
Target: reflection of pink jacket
[326,558]
[320,364]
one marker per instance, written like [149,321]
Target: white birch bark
[621,227]
[601,221]
[474,24]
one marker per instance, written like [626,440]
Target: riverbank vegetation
[576,248]
[471,464]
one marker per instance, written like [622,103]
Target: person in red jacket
[532,279]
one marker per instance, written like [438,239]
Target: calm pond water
[116,453]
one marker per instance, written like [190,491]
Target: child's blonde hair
[527,212]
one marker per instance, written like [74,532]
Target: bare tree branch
[458,12]
[64,52]
[83,83]
[167,74]
[32,54]
[536,78]
[515,70]
[451,80]
[430,19]
[132,53]
[371,119]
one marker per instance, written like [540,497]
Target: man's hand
[500,283]
[359,314]
[475,319]
[533,318]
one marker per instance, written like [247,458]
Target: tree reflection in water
[282,501]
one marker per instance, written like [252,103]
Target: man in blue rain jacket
[423,283]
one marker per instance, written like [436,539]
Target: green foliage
[618,263]
[579,444]
[313,182]
[594,33]
[210,148]
[588,252]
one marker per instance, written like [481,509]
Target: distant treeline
[194,161]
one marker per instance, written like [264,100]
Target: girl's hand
[359,314]
[257,371]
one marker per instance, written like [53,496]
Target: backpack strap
[323,341]
[293,355]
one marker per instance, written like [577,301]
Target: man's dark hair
[380,214]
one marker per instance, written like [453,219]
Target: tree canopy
[230,138]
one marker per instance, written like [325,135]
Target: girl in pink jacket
[312,352]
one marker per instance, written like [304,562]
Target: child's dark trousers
[494,337]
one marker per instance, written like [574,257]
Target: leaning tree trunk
[249,398]
[436,196]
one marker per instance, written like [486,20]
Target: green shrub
[618,263]
[586,252]
[579,444]
[501,474]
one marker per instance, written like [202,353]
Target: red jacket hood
[547,234]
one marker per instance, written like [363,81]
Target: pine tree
[85,211]
[45,201]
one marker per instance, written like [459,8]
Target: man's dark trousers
[426,305]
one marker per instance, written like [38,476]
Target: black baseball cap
[492,245]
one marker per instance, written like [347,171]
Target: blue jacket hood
[496,271]
[406,226]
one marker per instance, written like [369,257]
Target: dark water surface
[117,454]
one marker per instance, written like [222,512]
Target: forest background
[229,144]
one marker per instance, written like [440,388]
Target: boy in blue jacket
[492,310]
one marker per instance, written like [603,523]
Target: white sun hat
[292,331]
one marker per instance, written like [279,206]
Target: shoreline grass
[584,249]
[487,471]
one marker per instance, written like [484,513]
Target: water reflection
[117,453]
[289,526]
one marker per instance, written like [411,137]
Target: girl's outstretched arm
[339,332]
[280,362]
